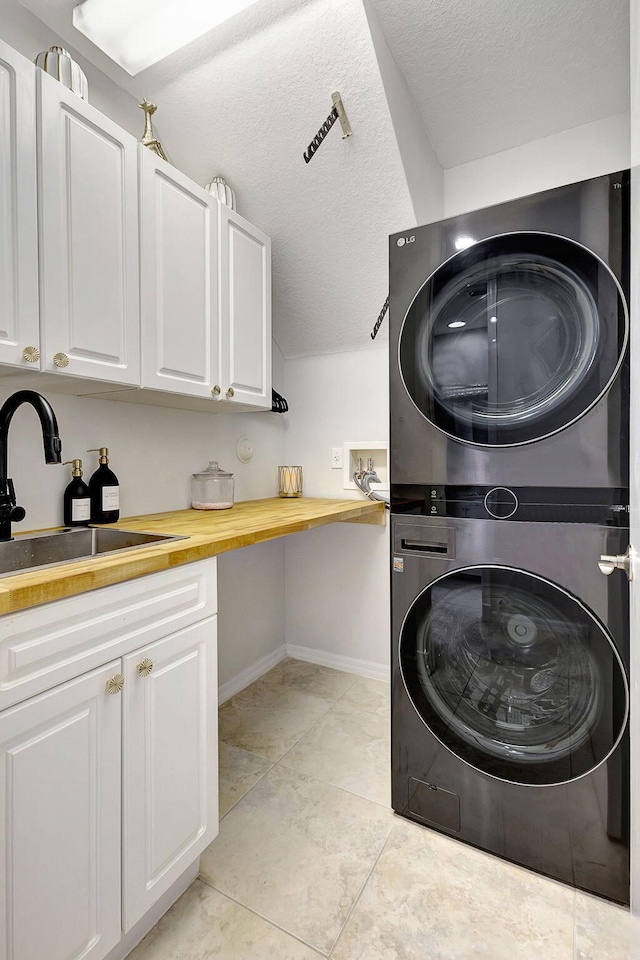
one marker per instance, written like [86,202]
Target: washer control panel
[608,506]
[501,503]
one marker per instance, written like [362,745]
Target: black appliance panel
[545,261]
[592,505]
[513,675]
[513,339]
[576,830]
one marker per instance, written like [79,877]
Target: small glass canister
[289,481]
[212,489]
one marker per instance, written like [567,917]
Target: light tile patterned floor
[311,862]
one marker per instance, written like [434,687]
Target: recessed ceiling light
[457,323]
[461,243]
[138,33]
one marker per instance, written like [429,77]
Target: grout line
[327,783]
[362,889]
[303,734]
[265,919]
[247,792]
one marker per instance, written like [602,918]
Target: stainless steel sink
[48,549]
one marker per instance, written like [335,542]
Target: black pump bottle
[104,490]
[77,504]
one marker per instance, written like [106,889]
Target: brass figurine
[148,138]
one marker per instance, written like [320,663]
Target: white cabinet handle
[31,354]
[61,360]
[216,391]
[230,392]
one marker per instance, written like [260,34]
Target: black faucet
[52,452]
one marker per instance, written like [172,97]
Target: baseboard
[254,672]
[364,668]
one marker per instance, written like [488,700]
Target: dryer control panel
[601,505]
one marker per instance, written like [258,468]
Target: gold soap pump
[103,451]
[76,465]
[77,501]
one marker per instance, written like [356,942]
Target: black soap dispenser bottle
[104,490]
[77,502]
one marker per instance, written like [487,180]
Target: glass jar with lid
[212,489]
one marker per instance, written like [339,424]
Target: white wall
[153,453]
[422,168]
[251,618]
[337,579]
[587,151]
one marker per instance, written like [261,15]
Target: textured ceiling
[487,75]
[245,100]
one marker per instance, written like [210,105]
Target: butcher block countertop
[209,533]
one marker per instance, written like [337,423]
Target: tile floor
[311,862]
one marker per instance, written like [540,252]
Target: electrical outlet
[336,458]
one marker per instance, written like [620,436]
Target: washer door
[513,339]
[514,675]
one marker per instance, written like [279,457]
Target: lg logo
[402,240]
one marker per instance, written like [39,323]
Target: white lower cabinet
[60,803]
[170,763]
[108,781]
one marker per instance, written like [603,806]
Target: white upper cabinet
[124,253]
[89,240]
[19,321]
[245,311]
[179,281]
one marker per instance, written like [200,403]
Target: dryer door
[513,339]
[514,675]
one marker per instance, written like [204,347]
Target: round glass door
[513,339]
[513,675]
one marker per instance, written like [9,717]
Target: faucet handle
[15,513]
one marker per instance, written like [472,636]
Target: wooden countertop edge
[21,591]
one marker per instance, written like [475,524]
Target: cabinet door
[245,311]
[170,748]
[60,812]
[89,240]
[19,320]
[179,282]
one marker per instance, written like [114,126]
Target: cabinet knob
[31,354]
[115,683]
[230,392]
[61,360]
[145,667]
[216,391]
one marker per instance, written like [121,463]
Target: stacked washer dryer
[509,481]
